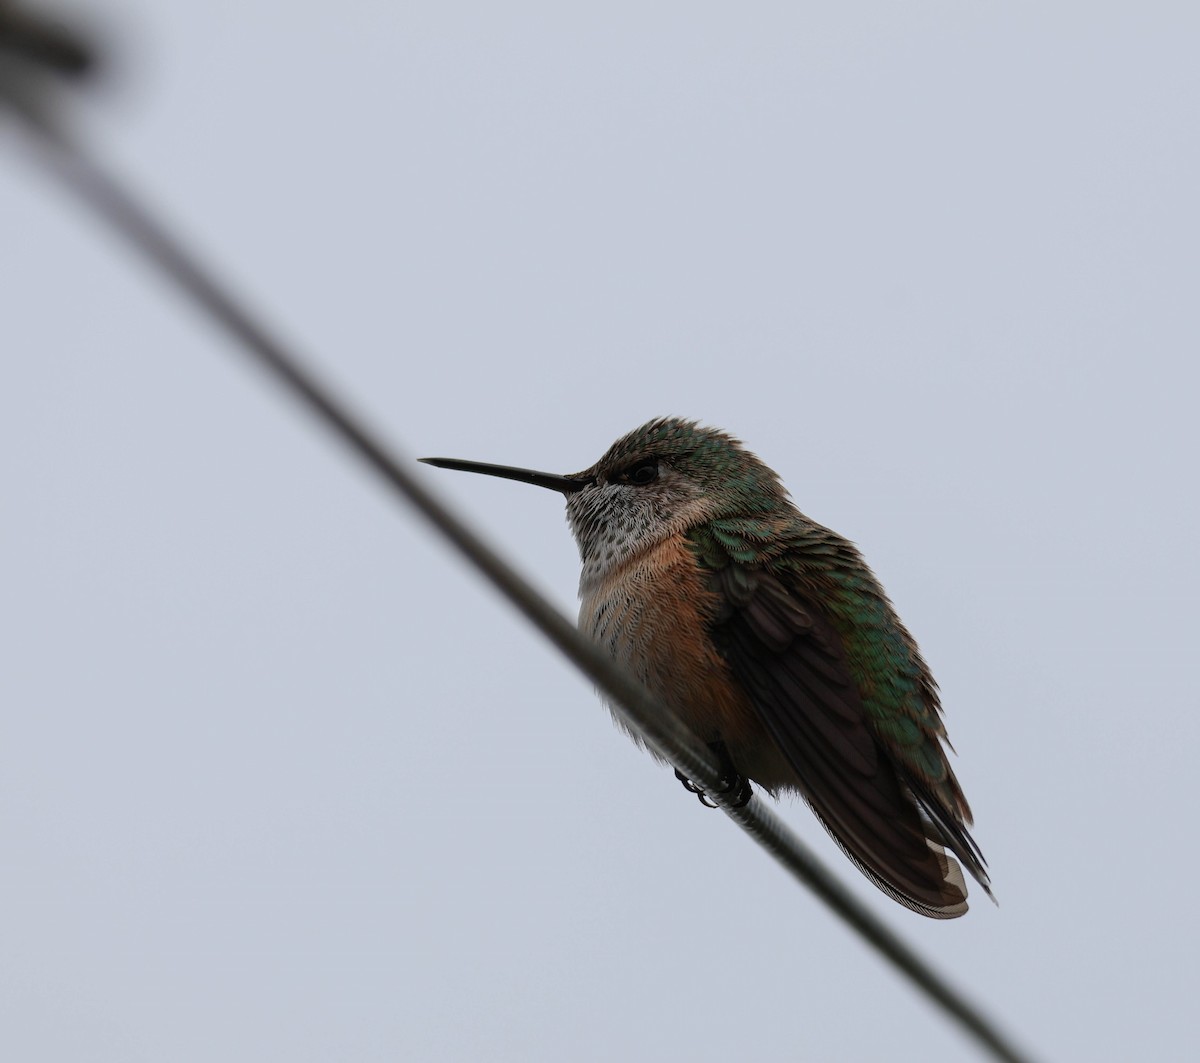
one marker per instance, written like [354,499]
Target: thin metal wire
[42,41]
[662,730]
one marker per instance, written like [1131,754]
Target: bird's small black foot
[688,785]
[731,782]
[741,790]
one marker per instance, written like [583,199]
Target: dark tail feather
[953,835]
[952,901]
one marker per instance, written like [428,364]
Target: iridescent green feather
[897,690]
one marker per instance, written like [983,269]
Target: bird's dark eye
[642,473]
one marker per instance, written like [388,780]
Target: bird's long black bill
[565,484]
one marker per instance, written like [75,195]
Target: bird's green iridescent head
[661,479]
[685,454]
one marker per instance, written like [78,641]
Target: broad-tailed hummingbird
[773,641]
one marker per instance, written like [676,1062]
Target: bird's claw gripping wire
[731,782]
[688,785]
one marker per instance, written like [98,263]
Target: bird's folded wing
[789,658]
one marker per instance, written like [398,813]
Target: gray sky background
[279,780]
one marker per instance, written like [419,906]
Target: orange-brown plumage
[653,613]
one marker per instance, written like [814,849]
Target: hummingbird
[769,636]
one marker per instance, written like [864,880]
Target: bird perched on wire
[771,638]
